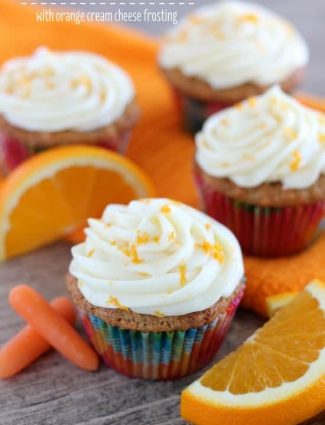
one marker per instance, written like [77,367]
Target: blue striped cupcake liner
[158,355]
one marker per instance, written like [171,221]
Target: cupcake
[157,284]
[55,98]
[260,168]
[225,52]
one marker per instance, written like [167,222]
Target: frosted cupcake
[55,98]
[260,168]
[225,52]
[157,284]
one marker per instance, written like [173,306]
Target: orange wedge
[275,302]
[276,377]
[54,192]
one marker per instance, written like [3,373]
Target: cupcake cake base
[16,145]
[197,100]
[137,347]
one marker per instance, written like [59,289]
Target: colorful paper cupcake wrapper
[264,231]
[195,112]
[14,151]
[158,355]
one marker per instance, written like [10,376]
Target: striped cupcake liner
[195,112]
[158,355]
[264,231]
[14,151]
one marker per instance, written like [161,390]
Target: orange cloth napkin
[158,144]
[277,275]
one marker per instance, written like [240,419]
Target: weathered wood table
[52,391]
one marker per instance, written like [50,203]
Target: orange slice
[276,377]
[54,192]
[275,302]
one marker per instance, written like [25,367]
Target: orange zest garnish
[159,314]
[251,101]
[249,17]
[82,80]
[46,72]
[50,85]
[248,157]
[182,274]
[195,19]
[131,251]
[116,303]
[144,274]
[290,134]
[103,95]
[217,33]
[134,255]
[172,236]
[181,37]
[165,209]
[205,246]
[91,253]
[143,238]
[215,250]
[295,164]
[321,138]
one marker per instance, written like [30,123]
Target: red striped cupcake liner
[264,231]
[159,355]
[14,151]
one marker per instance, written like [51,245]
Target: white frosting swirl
[156,257]
[270,138]
[231,43]
[56,91]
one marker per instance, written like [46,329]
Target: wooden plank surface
[52,391]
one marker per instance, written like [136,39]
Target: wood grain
[52,391]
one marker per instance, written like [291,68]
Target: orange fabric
[274,276]
[158,144]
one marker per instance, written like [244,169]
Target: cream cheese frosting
[56,91]
[269,138]
[231,43]
[157,257]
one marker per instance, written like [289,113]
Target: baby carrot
[28,344]
[31,306]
